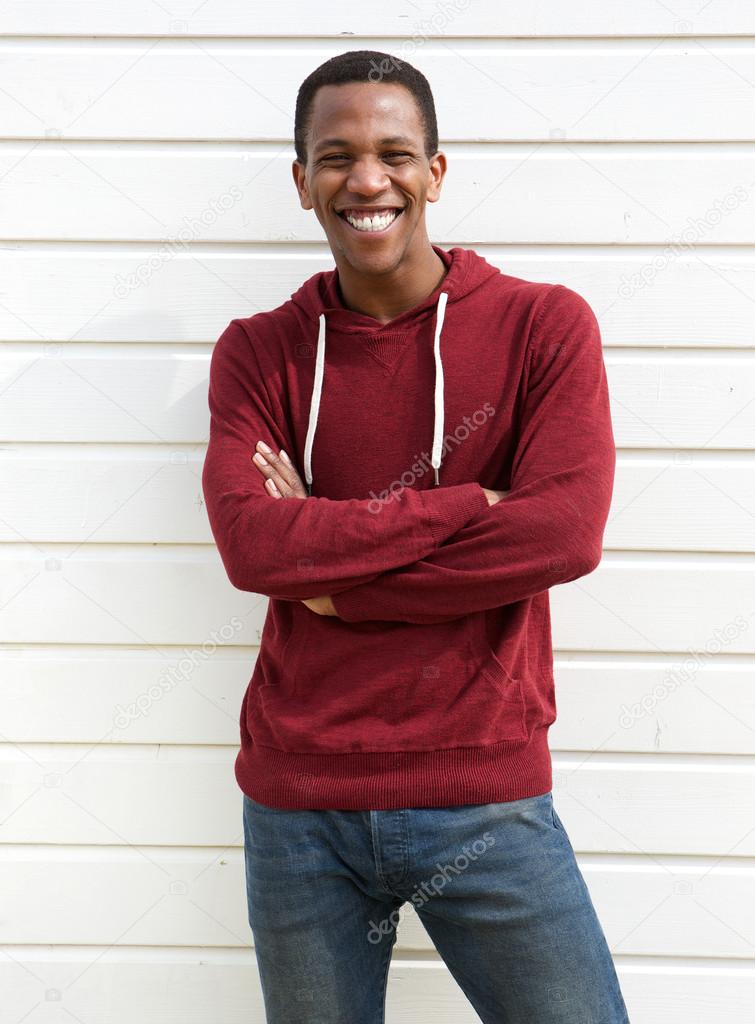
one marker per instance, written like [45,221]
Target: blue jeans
[496,886]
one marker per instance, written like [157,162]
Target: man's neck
[387,296]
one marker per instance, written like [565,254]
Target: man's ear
[437,172]
[299,172]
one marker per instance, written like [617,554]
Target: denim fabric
[496,886]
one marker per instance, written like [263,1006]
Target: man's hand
[494,496]
[321,605]
[281,478]
[283,481]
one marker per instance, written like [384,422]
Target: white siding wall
[147,199]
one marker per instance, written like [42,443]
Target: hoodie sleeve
[549,528]
[295,548]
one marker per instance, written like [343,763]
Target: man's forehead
[387,140]
[335,109]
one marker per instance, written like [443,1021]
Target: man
[394,732]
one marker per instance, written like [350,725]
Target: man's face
[366,150]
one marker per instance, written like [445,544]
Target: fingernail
[263,446]
[283,455]
[259,459]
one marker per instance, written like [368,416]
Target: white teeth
[377,223]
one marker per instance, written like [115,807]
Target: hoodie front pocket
[282,644]
[401,687]
[509,712]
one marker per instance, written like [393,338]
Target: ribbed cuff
[357,603]
[450,508]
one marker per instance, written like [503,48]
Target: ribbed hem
[450,508]
[509,770]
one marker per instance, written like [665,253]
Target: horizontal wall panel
[107,795]
[675,603]
[699,704]
[80,392]
[184,695]
[123,594]
[541,91]
[680,501]
[412,22]
[688,703]
[107,493]
[674,296]
[522,194]
[656,907]
[139,595]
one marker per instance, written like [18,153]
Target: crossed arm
[549,527]
[283,482]
[296,550]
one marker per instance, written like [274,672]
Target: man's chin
[370,260]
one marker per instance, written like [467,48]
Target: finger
[295,482]
[274,482]
[286,474]
[281,468]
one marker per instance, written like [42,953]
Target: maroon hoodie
[433,685]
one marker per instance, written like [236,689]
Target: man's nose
[367,177]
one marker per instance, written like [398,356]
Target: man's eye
[343,156]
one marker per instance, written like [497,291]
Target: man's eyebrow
[392,140]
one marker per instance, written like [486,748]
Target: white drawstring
[438,421]
[314,408]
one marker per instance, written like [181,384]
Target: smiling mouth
[375,224]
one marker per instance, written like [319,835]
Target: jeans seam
[386,967]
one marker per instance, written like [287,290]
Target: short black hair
[365,66]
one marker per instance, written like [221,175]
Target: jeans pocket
[556,820]
[544,809]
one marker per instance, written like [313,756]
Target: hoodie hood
[319,300]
